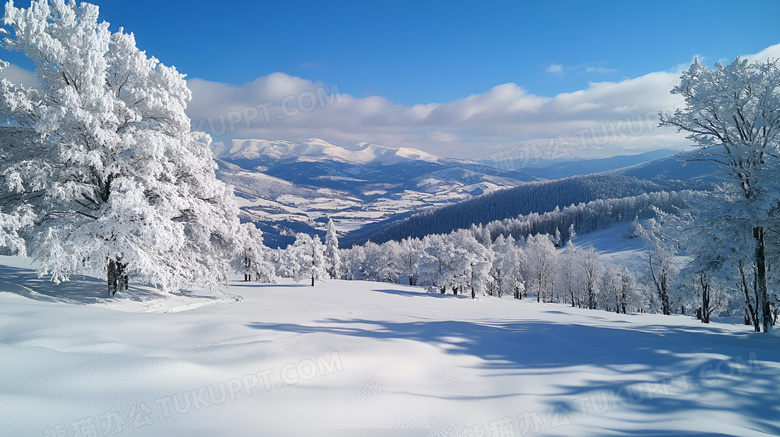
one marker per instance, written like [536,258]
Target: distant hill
[664,174]
[559,169]
[670,168]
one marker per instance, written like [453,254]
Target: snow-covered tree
[661,264]
[352,262]
[611,287]
[731,112]
[444,265]
[541,265]
[118,183]
[410,252]
[478,260]
[514,261]
[252,260]
[592,269]
[307,255]
[332,254]
[506,270]
[631,296]
[371,265]
[569,283]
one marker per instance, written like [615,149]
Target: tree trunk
[752,315]
[705,300]
[623,300]
[762,291]
[312,280]
[661,286]
[591,298]
[111,278]
[116,277]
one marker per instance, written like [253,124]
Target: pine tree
[332,255]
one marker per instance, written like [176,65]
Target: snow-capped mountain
[315,149]
[289,187]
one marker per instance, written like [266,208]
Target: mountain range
[288,187]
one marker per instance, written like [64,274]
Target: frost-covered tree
[410,252]
[592,269]
[332,254]
[478,260]
[612,293]
[569,281]
[10,226]
[732,113]
[495,286]
[631,296]
[117,182]
[444,264]
[352,263]
[371,265]
[661,264]
[389,268]
[252,260]
[307,254]
[541,265]
[431,267]
[514,259]
[506,270]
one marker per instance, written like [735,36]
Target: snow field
[345,358]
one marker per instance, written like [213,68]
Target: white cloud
[605,118]
[769,53]
[505,116]
[556,69]
[600,70]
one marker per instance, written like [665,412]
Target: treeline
[591,216]
[510,203]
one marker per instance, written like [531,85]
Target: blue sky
[432,51]
[386,57]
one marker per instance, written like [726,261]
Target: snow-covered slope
[347,358]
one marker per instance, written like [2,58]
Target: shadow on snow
[544,348]
[78,290]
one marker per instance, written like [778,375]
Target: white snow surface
[353,358]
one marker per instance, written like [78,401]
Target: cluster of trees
[100,172]
[732,113]
[471,262]
[466,261]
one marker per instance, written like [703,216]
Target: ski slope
[368,359]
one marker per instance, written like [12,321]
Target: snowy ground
[614,247]
[352,358]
